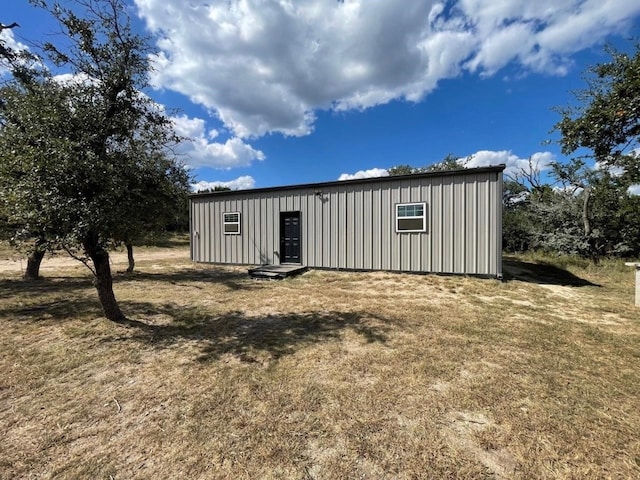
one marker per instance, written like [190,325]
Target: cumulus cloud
[614,171]
[8,39]
[241,183]
[9,42]
[200,150]
[80,79]
[515,165]
[537,163]
[265,66]
[634,190]
[371,173]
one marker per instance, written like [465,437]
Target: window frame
[225,223]
[413,217]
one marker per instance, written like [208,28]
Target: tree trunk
[585,211]
[592,242]
[33,264]
[132,262]
[104,281]
[35,259]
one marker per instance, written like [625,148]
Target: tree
[83,159]
[517,221]
[216,188]
[449,162]
[605,127]
[31,240]
[607,120]
[402,170]
[35,256]
[157,197]
[576,177]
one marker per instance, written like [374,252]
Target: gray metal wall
[351,225]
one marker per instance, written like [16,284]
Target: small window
[231,223]
[410,217]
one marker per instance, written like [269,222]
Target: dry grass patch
[327,375]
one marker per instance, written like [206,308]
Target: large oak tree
[86,157]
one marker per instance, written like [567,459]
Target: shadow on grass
[18,287]
[234,335]
[50,298]
[541,273]
[185,278]
[58,310]
[44,285]
[247,338]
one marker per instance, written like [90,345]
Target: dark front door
[290,237]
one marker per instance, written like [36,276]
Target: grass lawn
[329,375]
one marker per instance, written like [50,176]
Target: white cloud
[538,162]
[7,38]
[634,190]
[241,183]
[72,79]
[8,41]
[371,173]
[200,151]
[614,171]
[265,66]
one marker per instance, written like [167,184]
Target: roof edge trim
[444,173]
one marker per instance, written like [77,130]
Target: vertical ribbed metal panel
[352,225]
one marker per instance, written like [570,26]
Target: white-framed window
[411,217]
[231,223]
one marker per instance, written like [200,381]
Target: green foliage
[402,170]
[605,125]
[216,188]
[5,227]
[90,156]
[614,216]
[450,162]
[607,121]
[517,219]
[589,212]
[87,162]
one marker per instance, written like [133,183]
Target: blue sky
[279,92]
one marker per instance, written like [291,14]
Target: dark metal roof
[444,173]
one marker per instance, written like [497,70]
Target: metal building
[441,222]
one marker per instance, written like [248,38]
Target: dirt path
[118,259]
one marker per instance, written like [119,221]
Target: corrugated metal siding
[352,226]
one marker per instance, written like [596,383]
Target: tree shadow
[250,339]
[58,310]
[230,336]
[185,277]
[542,273]
[32,299]
[49,298]
[19,286]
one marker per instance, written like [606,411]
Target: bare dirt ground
[322,376]
[51,263]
